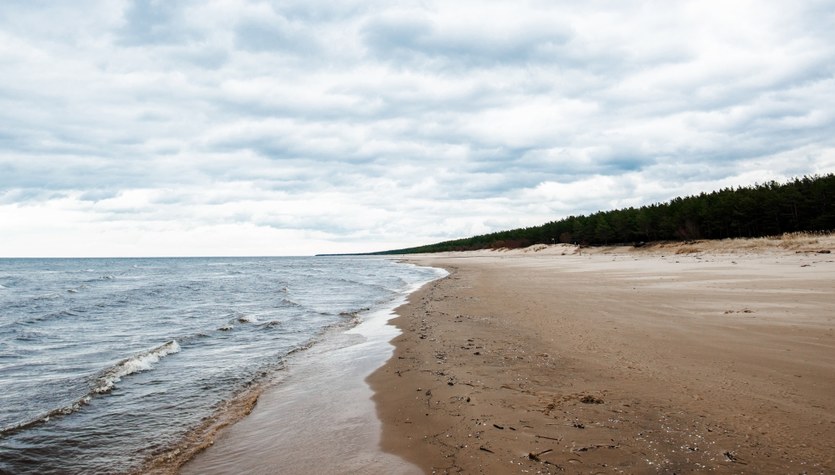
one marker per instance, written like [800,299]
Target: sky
[221,127]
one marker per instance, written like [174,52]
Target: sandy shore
[318,419]
[702,357]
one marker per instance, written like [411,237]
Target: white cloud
[265,127]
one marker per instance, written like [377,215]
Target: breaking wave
[103,384]
[141,362]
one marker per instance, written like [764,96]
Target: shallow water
[105,363]
[320,418]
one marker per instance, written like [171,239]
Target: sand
[317,418]
[706,357]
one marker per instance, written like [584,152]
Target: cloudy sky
[136,128]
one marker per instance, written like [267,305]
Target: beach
[669,358]
[318,418]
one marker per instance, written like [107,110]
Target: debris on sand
[589,399]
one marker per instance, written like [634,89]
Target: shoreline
[318,417]
[690,357]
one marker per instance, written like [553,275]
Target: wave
[404,285]
[292,304]
[51,316]
[104,384]
[141,362]
[241,318]
[360,283]
[247,319]
[3,287]
[354,313]
[29,335]
[45,417]
[52,296]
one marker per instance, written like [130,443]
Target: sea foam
[141,362]
[104,384]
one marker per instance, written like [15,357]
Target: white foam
[141,362]
[2,287]
[105,383]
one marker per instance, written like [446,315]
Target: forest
[802,204]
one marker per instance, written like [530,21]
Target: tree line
[802,204]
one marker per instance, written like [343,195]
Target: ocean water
[107,363]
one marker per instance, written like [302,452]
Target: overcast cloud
[294,127]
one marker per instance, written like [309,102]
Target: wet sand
[319,418]
[687,358]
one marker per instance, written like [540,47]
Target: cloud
[271,127]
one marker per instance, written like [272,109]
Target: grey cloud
[278,35]
[28,196]
[149,22]
[414,40]
[313,12]
[203,56]
[96,195]
[258,36]
[525,168]
[281,148]
[323,224]
[623,163]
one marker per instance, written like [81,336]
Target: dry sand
[704,357]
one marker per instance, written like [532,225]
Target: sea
[105,364]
